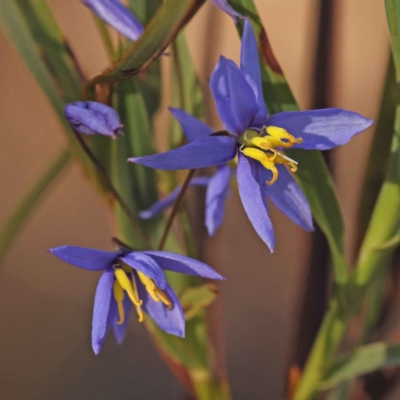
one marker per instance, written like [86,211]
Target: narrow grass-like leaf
[364,360]
[380,149]
[30,201]
[159,33]
[186,91]
[55,51]
[313,174]
[384,224]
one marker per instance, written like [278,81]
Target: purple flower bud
[92,118]
[115,14]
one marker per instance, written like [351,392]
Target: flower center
[262,146]
[125,282]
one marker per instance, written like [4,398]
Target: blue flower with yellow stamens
[133,278]
[258,140]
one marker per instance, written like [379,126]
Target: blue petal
[104,314]
[118,16]
[91,259]
[217,192]
[207,152]
[171,321]
[250,65]
[93,118]
[254,201]
[192,127]
[184,265]
[224,6]
[146,265]
[109,114]
[321,129]
[162,205]
[120,330]
[234,97]
[286,194]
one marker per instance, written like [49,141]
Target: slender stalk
[113,191]
[30,201]
[176,208]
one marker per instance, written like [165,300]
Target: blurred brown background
[46,305]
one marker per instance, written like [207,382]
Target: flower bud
[92,118]
[118,16]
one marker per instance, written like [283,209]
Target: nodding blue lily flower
[92,118]
[133,278]
[218,185]
[118,16]
[224,6]
[259,141]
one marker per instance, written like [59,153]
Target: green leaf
[186,90]
[160,32]
[313,174]
[380,148]
[384,224]
[55,51]
[15,25]
[30,201]
[144,10]
[195,299]
[364,360]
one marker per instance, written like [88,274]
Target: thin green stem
[176,208]
[325,346]
[24,210]
[113,191]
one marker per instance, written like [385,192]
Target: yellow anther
[283,134]
[155,293]
[164,298]
[267,162]
[126,284]
[281,159]
[268,142]
[138,307]
[139,313]
[119,298]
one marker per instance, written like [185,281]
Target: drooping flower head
[118,16]
[137,279]
[259,141]
[93,118]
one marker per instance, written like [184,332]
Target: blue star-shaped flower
[133,278]
[258,140]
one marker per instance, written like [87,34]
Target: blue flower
[92,118]
[258,140]
[218,186]
[115,14]
[224,6]
[133,278]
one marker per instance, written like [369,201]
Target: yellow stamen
[267,162]
[163,297]
[119,298]
[139,310]
[126,284]
[155,293]
[283,134]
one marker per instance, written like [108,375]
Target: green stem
[327,342]
[30,201]
[113,191]
[176,208]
